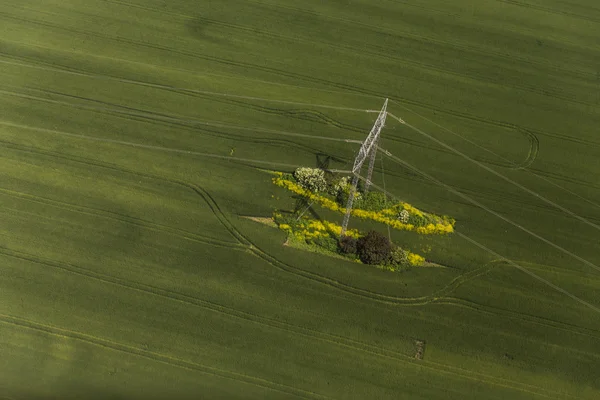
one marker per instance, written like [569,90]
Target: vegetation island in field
[314,186]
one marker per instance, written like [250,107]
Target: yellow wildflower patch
[385,216]
[415,259]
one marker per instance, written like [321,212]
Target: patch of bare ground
[420,347]
[431,264]
[262,220]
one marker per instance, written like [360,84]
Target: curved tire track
[166,359]
[301,331]
[230,227]
[241,238]
[152,226]
[177,121]
[534,148]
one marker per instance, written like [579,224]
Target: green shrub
[285,218]
[337,185]
[341,191]
[399,257]
[374,248]
[360,186]
[287,176]
[417,220]
[347,245]
[372,201]
[327,242]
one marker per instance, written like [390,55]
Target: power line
[201,74]
[149,147]
[498,174]
[478,204]
[161,148]
[384,188]
[206,92]
[177,118]
[483,247]
[496,154]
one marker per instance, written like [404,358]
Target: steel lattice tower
[368,149]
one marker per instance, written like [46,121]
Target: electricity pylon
[368,148]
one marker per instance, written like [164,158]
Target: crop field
[136,137]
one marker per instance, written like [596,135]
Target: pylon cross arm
[368,144]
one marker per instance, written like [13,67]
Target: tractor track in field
[237,160]
[260,382]
[530,319]
[460,114]
[188,122]
[163,358]
[342,86]
[568,179]
[54,67]
[383,50]
[191,124]
[550,10]
[467,48]
[245,241]
[316,277]
[505,198]
[233,227]
[242,239]
[488,121]
[232,312]
[253,249]
[311,276]
[534,149]
[290,328]
[383,53]
[532,153]
[171,120]
[151,226]
[193,55]
[501,197]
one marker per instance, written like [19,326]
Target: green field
[128,270]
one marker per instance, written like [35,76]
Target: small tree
[312,179]
[374,248]
[399,257]
[347,245]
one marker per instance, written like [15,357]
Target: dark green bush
[347,245]
[360,186]
[374,248]
[341,198]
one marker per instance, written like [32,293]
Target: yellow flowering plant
[324,235]
[422,223]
